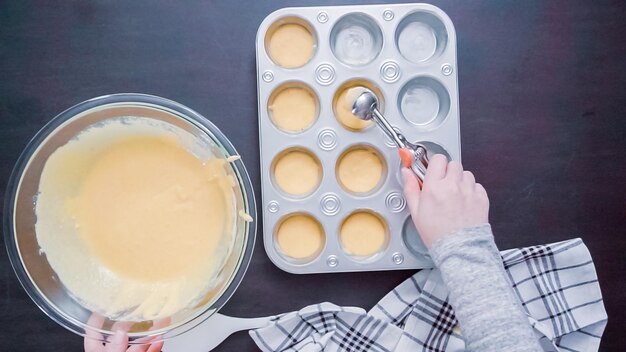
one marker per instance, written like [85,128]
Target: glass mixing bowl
[30,264]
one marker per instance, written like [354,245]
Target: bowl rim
[191,116]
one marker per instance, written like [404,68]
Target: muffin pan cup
[395,72]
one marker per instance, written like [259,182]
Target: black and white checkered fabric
[556,284]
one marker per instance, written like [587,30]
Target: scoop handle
[382,122]
[211,332]
[406,157]
[414,157]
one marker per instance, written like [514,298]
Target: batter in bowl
[360,170]
[297,172]
[134,224]
[300,236]
[293,109]
[363,234]
[343,109]
[291,45]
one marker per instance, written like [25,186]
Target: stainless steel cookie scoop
[413,156]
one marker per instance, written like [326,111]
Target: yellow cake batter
[297,172]
[360,170]
[293,109]
[343,109]
[300,236]
[291,45]
[362,234]
[133,223]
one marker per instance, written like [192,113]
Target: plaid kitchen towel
[556,284]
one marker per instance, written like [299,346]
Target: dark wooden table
[543,107]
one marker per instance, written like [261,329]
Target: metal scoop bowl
[413,156]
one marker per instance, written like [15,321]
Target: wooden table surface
[543,124]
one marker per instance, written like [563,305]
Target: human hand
[450,199]
[119,341]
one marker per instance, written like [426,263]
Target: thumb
[412,190]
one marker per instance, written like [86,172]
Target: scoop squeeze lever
[413,156]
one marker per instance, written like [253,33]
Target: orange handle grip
[406,157]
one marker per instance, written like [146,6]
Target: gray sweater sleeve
[489,314]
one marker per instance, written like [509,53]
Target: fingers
[149,344]
[143,341]
[454,171]
[159,324]
[468,178]
[96,320]
[410,180]
[156,347]
[119,342]
[93,339]
[138,348]
[484,199]
[122,326]
[481,191]
[468,183]
[411,190]
[93,345]
[436,168]
[147,347]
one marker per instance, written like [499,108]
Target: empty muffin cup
[344,99]
[421,36]
[361,170]
[431,149]
[299,237]
[412,239]
[296,172]
[434,148]
[356,39]
[293,107]
[290,42]
[363,234]
[424,102]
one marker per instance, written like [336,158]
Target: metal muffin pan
[425,68]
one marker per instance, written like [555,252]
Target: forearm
[489,314]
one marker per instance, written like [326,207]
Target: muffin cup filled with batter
[299,238]
[363,234]
[344,99]
[361,170]
[296,172]
[293,107]
[290,42]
